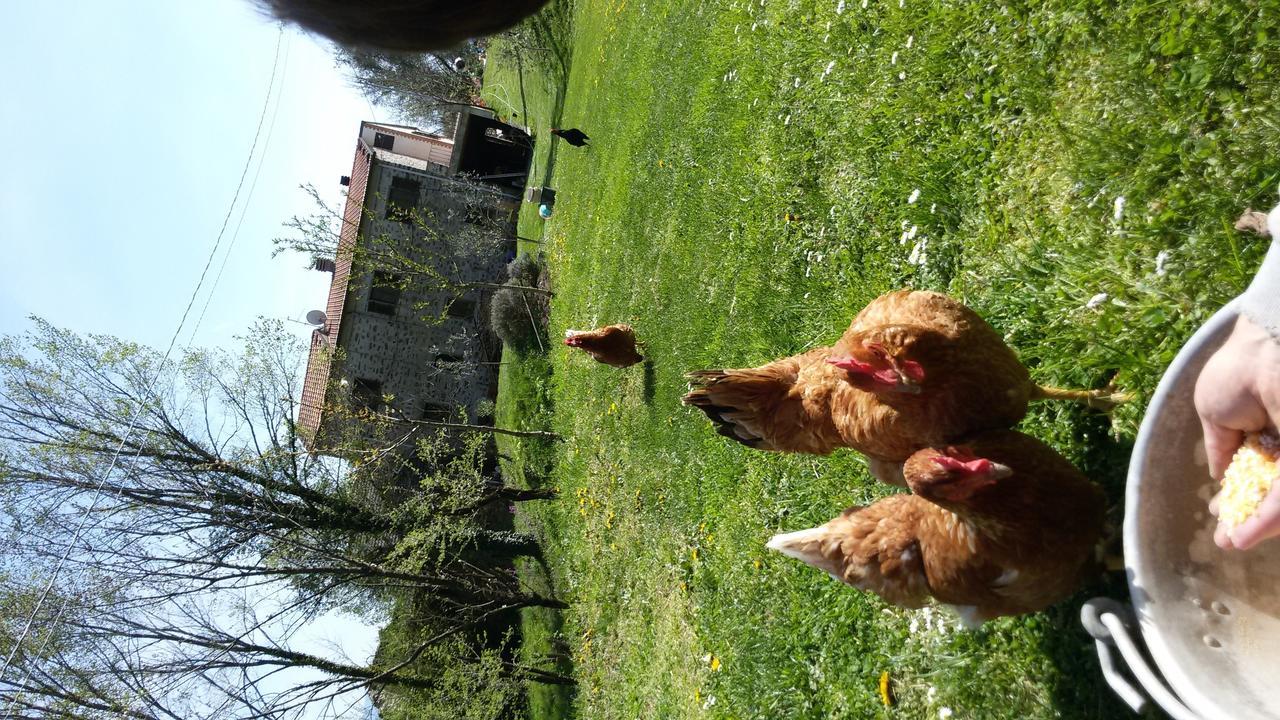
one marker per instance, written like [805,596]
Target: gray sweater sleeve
[1261,302]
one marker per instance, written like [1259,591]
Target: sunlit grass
[758,172]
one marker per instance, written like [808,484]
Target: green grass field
[761,169]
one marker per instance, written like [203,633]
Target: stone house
[405,327]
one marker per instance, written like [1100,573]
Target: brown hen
[1002,525]
[612,345]
[915,368]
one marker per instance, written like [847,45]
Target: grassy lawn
[759,171]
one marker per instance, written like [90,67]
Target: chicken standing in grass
[573,136]
[612,345]
[1002,525]
[915,368]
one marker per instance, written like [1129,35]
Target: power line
[248,197]
[115,455]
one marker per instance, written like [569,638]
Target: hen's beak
[999,471]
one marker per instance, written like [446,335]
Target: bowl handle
[1110,622]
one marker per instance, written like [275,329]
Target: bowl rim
[1179,680]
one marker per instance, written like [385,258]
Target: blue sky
[128,125]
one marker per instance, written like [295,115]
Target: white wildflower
[796,83]
[919,258]
[944,713]
[864,4]
[1117,209]
[902,75]
[830,66]
[914,626]
[1096,301]
[787,121]
[915,195]
[893,60]
[930,693]
[910,40]
[754,26]
[840,7]
[709,703]
[902,3]
[933,208]
[1161,258]
[911,234]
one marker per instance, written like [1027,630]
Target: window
[435,412]
[384,295]
[383,141]
[367,394]
[462,309]
[402,199]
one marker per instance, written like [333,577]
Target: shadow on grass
[1083,693]
[650,381]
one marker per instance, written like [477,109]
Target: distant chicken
[1002,525]
[612,345]
[573,136]
[915,368]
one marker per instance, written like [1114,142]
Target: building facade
[405,329]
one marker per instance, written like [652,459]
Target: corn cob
[1248,478]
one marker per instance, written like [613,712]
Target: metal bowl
[1210,618]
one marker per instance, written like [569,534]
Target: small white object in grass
[787,121]
[910,40]
[710,702]
[902,3]
[931,693]
[893,59]
[911,234]
[902,75]
[944,713]
[864,4]
[933,208]
[919,255]
[796,83]
[1117,209]
[913,627]
[840,7]
[1096,301]
[1161,258]
[913,197]
[830,66]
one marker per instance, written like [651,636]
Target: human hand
[1238,391]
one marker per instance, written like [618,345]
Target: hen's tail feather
[1105,400]
[724,419]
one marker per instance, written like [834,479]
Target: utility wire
[44,595]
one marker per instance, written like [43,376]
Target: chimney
[323,264]
[345,181]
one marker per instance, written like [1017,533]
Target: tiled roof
[325,340]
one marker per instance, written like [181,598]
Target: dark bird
[573,136]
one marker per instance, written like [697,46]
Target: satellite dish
[459,64]
[317,317]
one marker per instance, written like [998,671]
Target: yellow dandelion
[756,562]
[694,553]
[886,693]
[715,664]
